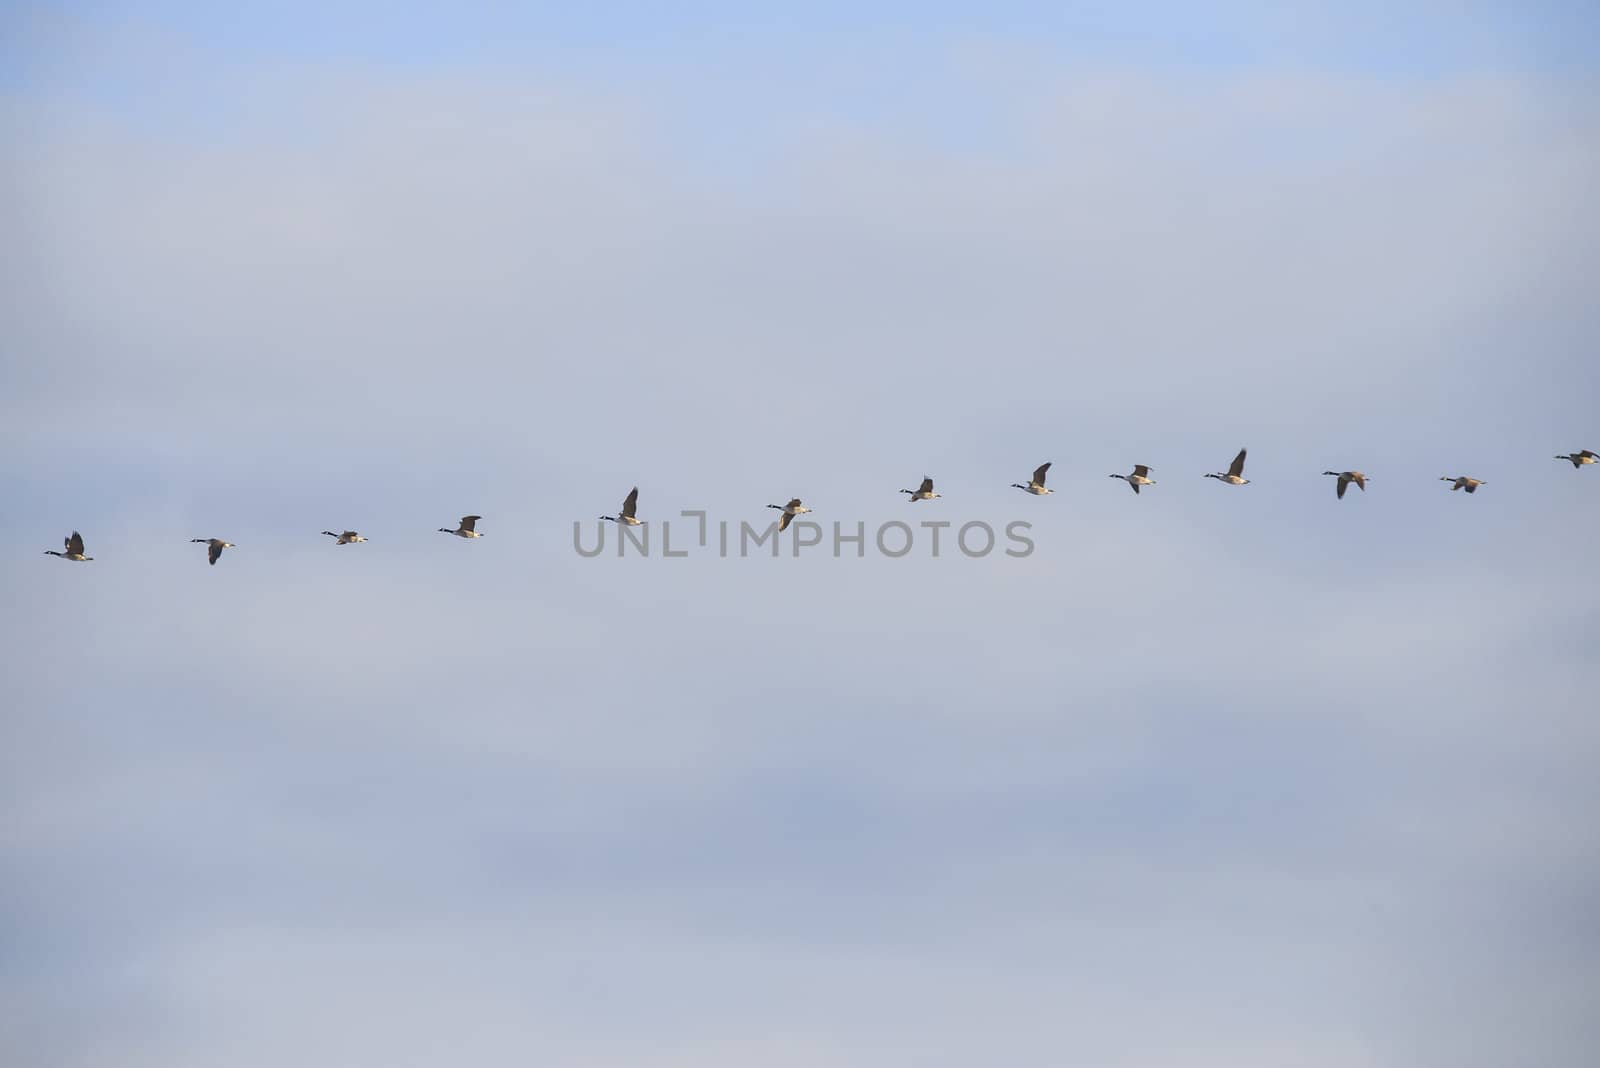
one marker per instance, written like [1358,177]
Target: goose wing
[1236,468]
[1039,472]
[470,522]
[75,544]
[631,503]
[1141,471]
[792,505]
[784,520]
[927,485]
[214,551]
[1342,485]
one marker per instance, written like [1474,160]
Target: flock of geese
[627,515]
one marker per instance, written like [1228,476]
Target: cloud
[1247,776]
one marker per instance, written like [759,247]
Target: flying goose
[74,547]
[925,492]
[1345,478]
[1463,482]
[1235,475]
[347,538]
[629,505]
[1036,483]
[217,545]
[467,529]
[1580,458]
[790,510]
[1140,477]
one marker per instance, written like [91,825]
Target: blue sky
[1415,35]
[1216,776]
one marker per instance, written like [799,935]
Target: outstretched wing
[215,552]
[792,505]
[1342,485]
[1038,474]
[927,485]
[1141,471]
[783,521]
[75,544]
[470,522]
[1237,467]
[631,503]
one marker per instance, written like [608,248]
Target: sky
[1214,776]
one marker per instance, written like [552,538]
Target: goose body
[630,504]
[214,547]
[467,529]
[73,546]
[348,537]
[1140,477]
[1345,478]
[924,492]
[1580,458]
[1463,482]
[1235,472]
[1036,483]
[790,510]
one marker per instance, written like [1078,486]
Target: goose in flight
[629,505]
[216,547]
[1235,475]
[1345,478]
[349,537]
[925,492]
[467,529]
[1036,483]
[73,544]
[1463,482]
[1580,458]
[790,510]
[1140,477]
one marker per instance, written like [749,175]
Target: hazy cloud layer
[1214,777]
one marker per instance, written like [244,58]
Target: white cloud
[1213,774]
